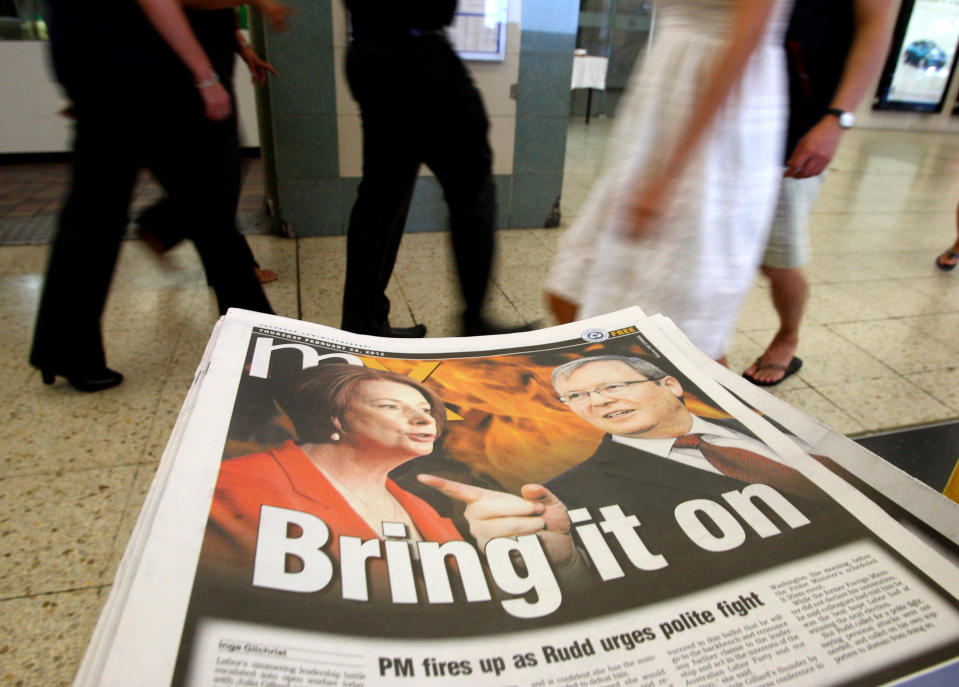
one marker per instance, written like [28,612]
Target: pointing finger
[502,505]
[465,493]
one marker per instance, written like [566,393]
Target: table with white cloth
[589,72]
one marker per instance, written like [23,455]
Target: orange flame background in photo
[513,427]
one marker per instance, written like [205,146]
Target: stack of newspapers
[593,504]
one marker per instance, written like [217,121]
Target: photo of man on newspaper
[660,462]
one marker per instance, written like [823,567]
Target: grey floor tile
[886,403]
[322,270]
[55,429]
[943,327]
[44,636]
[744,349]
[60,530]
[813,403]
[943,385]
[829,359]
[278,254]
[896,344]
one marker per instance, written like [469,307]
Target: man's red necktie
[749,466]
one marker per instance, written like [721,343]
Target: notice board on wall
[479,30]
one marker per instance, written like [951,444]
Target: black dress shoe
[480,326]
[94,380]
[417,331]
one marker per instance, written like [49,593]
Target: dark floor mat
[928,453]
[33,230]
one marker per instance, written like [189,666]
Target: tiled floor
[881,345]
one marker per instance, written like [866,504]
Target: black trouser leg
[204,186]
[381,304]
[372,242]
[471,227]
[390,162]
[164,222]
[83,256]
[418,104]
[168,220]
[460,156]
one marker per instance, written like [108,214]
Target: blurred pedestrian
[678,223]
[834,48]
[138,93]
[418,104]
[165,224]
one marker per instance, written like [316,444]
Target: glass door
[619,31]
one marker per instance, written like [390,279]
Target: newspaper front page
[577,506]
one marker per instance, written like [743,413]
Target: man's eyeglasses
[612,390]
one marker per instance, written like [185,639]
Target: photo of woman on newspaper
[353,425]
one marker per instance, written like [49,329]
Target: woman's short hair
[326,391]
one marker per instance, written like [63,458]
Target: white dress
[702,256]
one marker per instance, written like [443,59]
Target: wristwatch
[846,119]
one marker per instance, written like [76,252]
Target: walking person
[834,48]
[148,113]
[678,222]
[418,105]
[165,224]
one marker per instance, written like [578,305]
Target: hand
[815,150]
[216,102]
[275,12]
[492,514]
[647,206]
[258,67]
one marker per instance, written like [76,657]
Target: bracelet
[209,82]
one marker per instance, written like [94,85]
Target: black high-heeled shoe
[94,380]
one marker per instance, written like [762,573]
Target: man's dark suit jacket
[650,487]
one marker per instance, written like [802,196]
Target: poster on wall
[479,30]
[922,57]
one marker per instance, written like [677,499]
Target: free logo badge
[594,335]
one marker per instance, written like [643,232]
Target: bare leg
[563,310]
[789,291]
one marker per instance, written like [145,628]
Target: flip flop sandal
[949,255]
[788,370]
